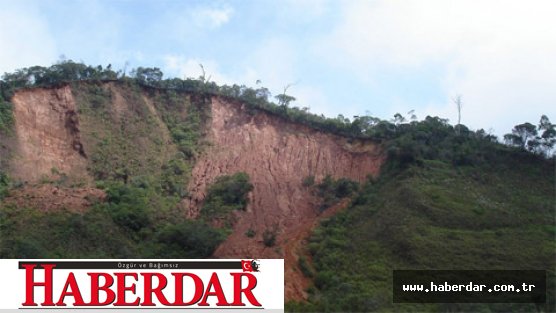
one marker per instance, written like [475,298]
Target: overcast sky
[351,57]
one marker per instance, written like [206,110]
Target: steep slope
[277,155]
[77,134]
[47,135]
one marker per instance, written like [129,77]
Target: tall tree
[521,135]
[459,104]
[284,99]
[548,136]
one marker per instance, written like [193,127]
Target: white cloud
[212,17]
[189,21]
[24,38]
[273,62]
[183,67]
[302,10]
[498,54]
[316,101]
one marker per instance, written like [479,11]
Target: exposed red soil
[47,135]
[277,155]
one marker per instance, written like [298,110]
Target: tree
[284,99]
[398,119]
[364,124]
[203,76]
[148,75]
[548,137]
[459,105]
[521,135]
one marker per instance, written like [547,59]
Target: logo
[173,283]
[250,265]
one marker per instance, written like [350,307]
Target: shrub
[250,233]
[226,194]
[4,184]
[188,239]
[127,206]
[269,237]
[309,181]
[6,116]
[305,268]
[173,180]
[331,191]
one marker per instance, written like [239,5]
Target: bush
[309,181]
[269,237]
[62,234]
[188,239]
[250,233]
[173,180]
[185,132]
[4,185]
[331,191]
[226,194]
[305,268]
[128,207]
[6,116]
[124,226]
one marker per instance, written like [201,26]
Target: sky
[374,57]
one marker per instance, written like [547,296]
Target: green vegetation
[539,140]
[331,191]
[188,239]
[250,233]
[4,184]
[62,235]
[448,197]
[134,221]
[184,119]
[227,194]
[305,267]
[269,237]
[444,201]
[6,116]
[127,127]
[308,181]
[124,226]
[524,136]
[124,142]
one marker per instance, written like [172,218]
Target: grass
[125,226]
[435,216]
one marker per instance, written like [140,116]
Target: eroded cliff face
[47,138]
[52,138]
[277,155]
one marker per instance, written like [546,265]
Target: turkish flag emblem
[246,266]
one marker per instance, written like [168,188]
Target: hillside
[498,215]
[94,164]
[74,143]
